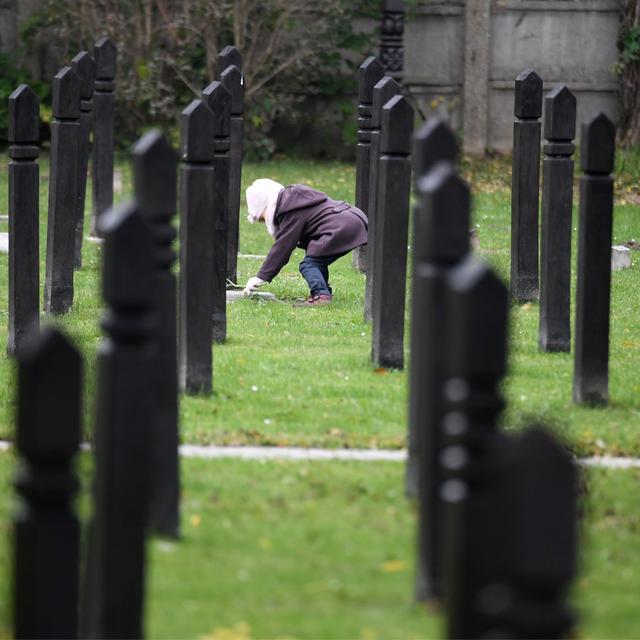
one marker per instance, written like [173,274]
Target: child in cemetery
[299,216]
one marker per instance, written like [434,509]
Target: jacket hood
[299,196]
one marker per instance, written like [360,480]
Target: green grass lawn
[326,550]
[290,376]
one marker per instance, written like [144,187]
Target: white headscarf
[262,197]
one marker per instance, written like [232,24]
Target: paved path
[371,455]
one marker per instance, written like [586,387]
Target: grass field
[308,550]
[289,376]
[325,550]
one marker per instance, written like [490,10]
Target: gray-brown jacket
[311,220]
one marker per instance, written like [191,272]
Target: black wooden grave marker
[525,187]
[24,261]
[593,297]
[197,240]
[390,247]
[85,68]
[105,56]
[542,540]
[218,99]
[229,56]
[63,199]
[471,465]
[46,530]
[232,80]
[155,169]
[391,32]
[554,333]
[369,74]
[433,143]
[441,240]
[114,579]
[384,90]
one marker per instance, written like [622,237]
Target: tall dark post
[370,73]
[227,57]
[390,246]
[384,90]
[197,239]
[46,530]
[542,540]
[591,372]
[114,580]
[218,99]
[391,32]
[63,200]
[554,332]
[433,143]
[477,308]
[24,187]
[525,187]
[105,55]
[155,169]
[511,538]
[232,80]
[440,241]
[85,68]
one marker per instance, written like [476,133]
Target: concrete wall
[466,74]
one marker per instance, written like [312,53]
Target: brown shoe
[315,301]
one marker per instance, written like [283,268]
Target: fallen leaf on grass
[393,566]
[265,543]
[195,520]
[240,631]
[381,371]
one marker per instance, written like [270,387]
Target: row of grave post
[83,104]
[495,570]
[497,516]
[383,260]
[544,272]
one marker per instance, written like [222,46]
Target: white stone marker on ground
[620,258]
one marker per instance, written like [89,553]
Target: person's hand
[252,285]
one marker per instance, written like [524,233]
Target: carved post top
[155,176]
[442,220]
[528,95]
[218,99]
[383,91]
[598,145]
[49,396]
[397,126]
[369,74]
[477,312]
[545,494]
[24,115]
[433,142]
[560,114]
[196,133]
[65,101]
[127,259]
[232,80]
[229,56]
[85,67]
[106,56]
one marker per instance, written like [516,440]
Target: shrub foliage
[168,50]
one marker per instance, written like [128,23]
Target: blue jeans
[315,271]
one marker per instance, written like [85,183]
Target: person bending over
[299,216]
